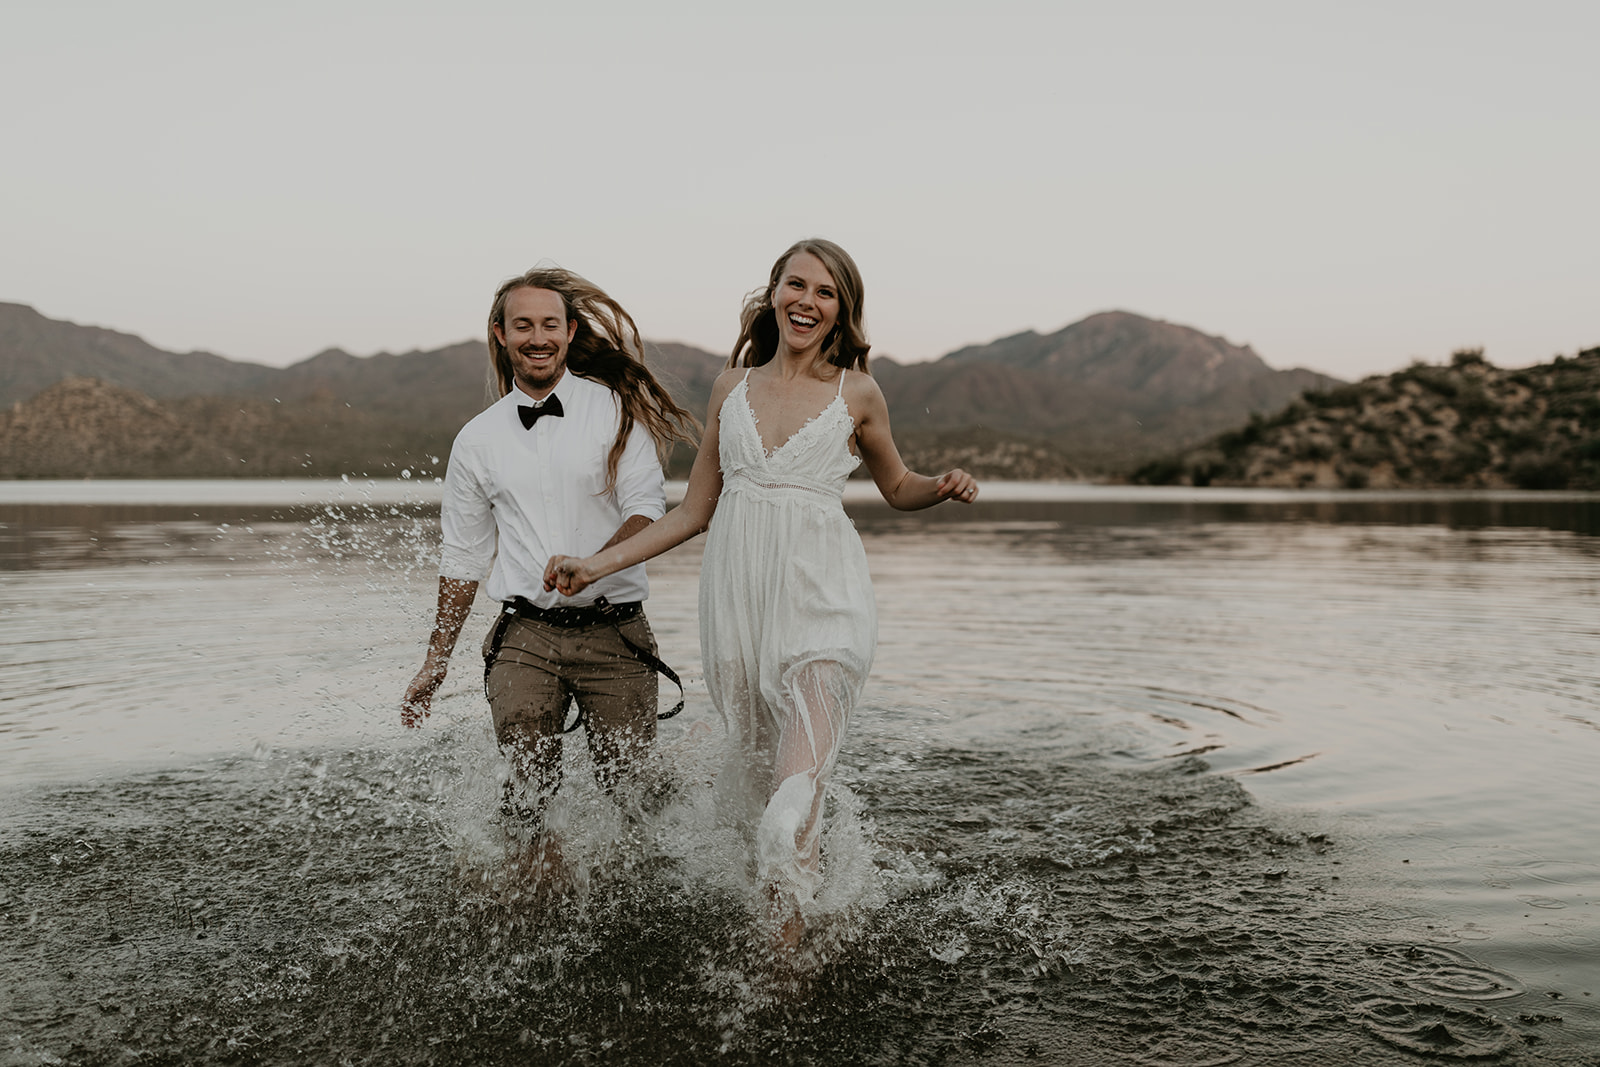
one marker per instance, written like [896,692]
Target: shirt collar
[561,390]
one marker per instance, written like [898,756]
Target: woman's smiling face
[806,303]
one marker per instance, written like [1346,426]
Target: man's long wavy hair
[846,344]
[605,348]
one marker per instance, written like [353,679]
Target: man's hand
[455,601]
[418,702]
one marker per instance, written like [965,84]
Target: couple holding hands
[555,493]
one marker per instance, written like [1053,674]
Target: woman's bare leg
[808,743]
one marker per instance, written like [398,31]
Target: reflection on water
[1156,777]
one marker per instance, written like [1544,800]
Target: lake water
[1145,776]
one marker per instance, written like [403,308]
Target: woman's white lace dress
[788,628]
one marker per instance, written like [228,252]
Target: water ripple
[1435,1030]
[1448,973]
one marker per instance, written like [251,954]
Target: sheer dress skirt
[788,629]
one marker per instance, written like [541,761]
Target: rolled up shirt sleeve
[640,487]
[466,520]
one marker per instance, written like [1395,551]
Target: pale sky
[1346,187]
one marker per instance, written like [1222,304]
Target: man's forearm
[630,526]
[455,604]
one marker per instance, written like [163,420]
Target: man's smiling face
[536,333]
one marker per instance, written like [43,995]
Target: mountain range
[1098,396]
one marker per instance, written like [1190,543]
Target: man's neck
[538,397]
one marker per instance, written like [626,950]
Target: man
[566,462]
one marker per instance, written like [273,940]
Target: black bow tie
[530,413]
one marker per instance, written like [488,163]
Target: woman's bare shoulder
[730,377]
[861,389]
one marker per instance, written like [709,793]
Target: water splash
[995,901]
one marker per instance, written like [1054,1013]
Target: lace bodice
[816,457]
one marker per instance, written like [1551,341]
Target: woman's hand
[566,575]
[958,485]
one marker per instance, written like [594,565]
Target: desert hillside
[1466,424]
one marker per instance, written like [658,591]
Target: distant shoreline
[314,492]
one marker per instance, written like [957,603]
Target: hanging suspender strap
[491,649]
[609,611]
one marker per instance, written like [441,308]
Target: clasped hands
[570,575]
[564,574]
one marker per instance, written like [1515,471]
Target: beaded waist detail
[737,476]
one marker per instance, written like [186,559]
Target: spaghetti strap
[842,373]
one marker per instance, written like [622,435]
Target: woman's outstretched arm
[902,488]
[570,575]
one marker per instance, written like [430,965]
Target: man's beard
[539,375]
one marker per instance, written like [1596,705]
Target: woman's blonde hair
[606,347]
[846,344]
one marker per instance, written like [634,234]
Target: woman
[787,622]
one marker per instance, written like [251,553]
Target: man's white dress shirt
[514,497]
